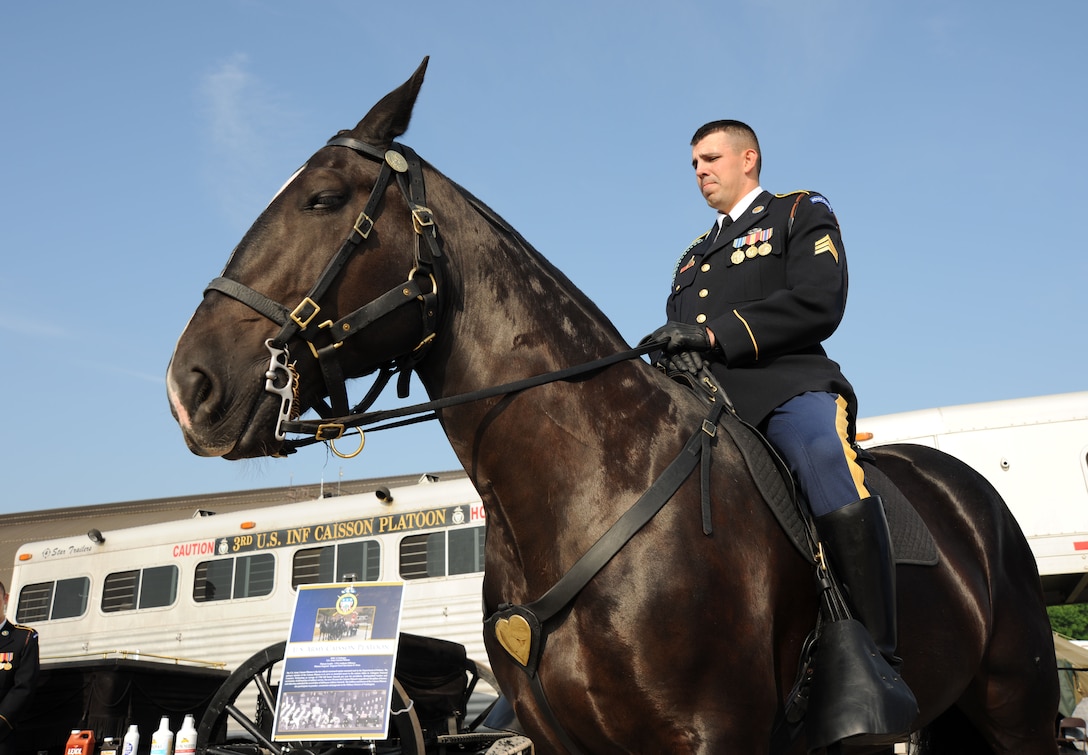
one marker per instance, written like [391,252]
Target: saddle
[912,542]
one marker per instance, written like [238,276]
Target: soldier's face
[721,168]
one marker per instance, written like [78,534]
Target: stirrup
[856,697]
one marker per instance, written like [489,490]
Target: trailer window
[63,599]
[212,580]
[242,577]
[423,556]
[119,591]
[348,562]
[158,586]
[153,587]
[313,566]
[70,598]
[358,562]
[467,550]
[254,575]
[34,602]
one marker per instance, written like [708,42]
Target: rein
[333,430]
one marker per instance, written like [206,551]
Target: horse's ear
[389,118]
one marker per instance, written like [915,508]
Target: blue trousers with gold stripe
[811,431]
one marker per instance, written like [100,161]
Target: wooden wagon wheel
[255,676]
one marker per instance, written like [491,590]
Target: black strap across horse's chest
[541,611]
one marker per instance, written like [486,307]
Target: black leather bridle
[423,285]
[325,337]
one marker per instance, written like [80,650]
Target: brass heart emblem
[515,635]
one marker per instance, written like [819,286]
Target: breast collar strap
[325,337]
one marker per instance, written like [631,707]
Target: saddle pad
[912,542]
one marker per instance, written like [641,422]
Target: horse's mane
[497,222]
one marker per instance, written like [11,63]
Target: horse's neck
[510,313]
[517,317]
[544,458]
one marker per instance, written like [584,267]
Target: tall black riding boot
[859,548]
[858,697]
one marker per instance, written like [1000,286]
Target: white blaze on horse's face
[180,411]
[286,184]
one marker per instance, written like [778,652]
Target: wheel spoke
[264,689]
[246,723]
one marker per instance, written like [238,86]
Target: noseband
[325,337]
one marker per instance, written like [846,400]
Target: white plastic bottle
[131,744]
[185,742]
[162,741]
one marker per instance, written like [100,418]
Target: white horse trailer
[1034,451]
[213,590]
[143,621]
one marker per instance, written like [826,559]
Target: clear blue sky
[140,140]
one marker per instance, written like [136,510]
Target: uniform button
[700,319]
[677,288]
[703,293]
[706,267]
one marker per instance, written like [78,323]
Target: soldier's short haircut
[738,130]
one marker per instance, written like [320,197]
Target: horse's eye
[326,201]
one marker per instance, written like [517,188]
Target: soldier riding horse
[668,640]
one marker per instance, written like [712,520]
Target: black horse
[680,643]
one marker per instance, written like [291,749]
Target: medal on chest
[755,243]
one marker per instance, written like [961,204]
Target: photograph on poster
[339,662]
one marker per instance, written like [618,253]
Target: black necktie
[726,220]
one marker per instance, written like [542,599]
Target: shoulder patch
[820,199]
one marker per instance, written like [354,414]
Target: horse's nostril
[202,390]
[192,392]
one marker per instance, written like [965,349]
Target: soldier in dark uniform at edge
[18,673]
[755,297]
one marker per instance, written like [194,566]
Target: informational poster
[339,663]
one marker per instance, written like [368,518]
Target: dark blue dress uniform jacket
[772,288]
[18,677]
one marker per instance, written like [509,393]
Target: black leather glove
[686,361]
[680,337]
